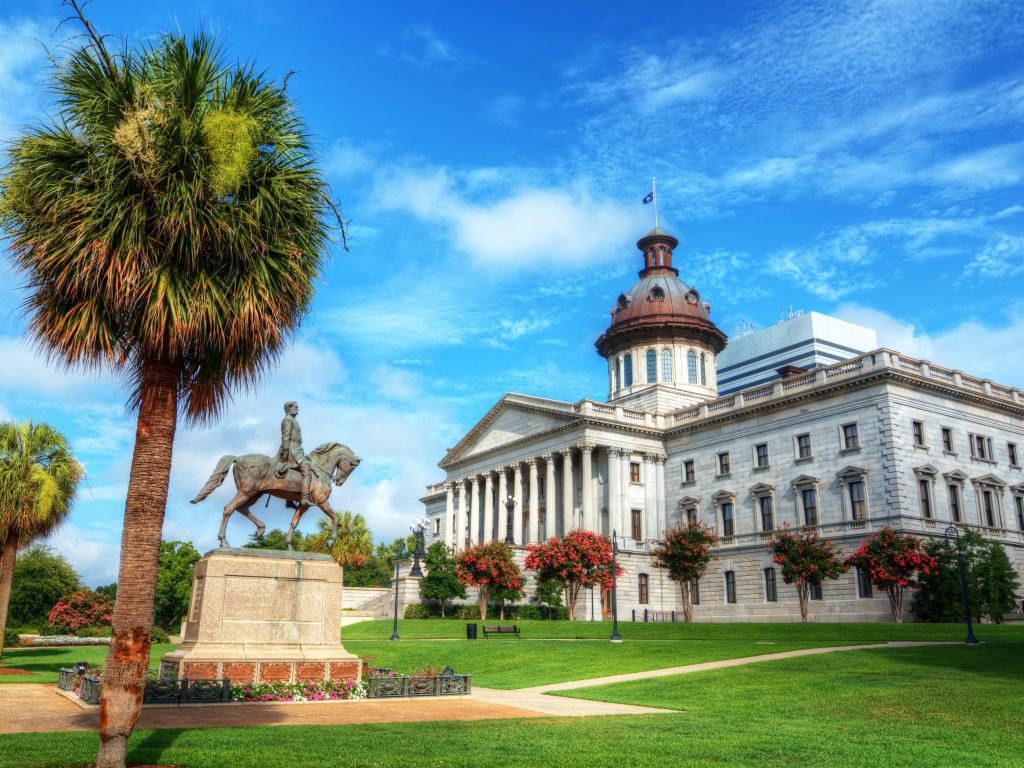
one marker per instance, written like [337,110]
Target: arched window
[652,367]
[627,370]
[618,374]
[666,365]
[703,371]
[691,366]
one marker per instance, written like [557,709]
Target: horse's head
[337,459]
[347,461]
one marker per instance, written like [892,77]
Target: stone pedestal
[260,615]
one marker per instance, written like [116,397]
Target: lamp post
[615,638]
[418,528]
[952,531]
[399,554]
[510,509]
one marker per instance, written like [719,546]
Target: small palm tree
[352,547]
[170,222]
[38,481]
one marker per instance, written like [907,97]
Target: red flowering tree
[488,567]
[685,552]
[84,608]
[577,560]
[804,559]
[893,562]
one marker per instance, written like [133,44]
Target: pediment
[805,480]
[989,479]
[926,469]
[688,501]
[723,496]
[851,471]
[513,418]
[956,476]
[762,488]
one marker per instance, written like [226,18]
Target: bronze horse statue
[255,477]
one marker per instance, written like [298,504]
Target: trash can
[471,631]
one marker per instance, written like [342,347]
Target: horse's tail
[216,478]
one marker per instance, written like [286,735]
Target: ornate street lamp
[510,508]
[418,528]
[615,638]
[952,531]
[399,554]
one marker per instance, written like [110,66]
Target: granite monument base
[260,615]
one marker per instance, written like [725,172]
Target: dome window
[657,294]
[692,297]
[623,301]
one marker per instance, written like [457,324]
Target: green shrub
[468,612]
[100,631]
[157,635]
[10,638]
[416,611]
[560,613]
[529,612]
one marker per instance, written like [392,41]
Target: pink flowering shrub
[490,568]
[893,562]
[325,690]
[805,560]
[685,552]
[84,608]
[579,559]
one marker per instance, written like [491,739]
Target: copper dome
[660,307]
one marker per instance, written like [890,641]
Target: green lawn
[44,663]
[934,707]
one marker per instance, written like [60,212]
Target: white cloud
[426,49]
[344,161]
[1001,258]
[22,59]
[92,553]
[25,371]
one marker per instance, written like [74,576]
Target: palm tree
[352,547]
[170,222]
[38,481]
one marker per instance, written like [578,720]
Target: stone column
[650,498]
[587,487]
[502,509]
[659,466]
[489,506]
[534,503]
[449,515]
[517,491]
[460,533]
[568,514]
[625,512]
[614,491]
[474,512]
[550,496]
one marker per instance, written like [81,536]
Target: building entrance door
[606,604]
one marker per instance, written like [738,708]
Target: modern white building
[873,440]
[807,341]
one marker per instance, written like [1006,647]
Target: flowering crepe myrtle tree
[893,561]
[577,560]
[685,553]
[805,560]
[488,567]
[84,608]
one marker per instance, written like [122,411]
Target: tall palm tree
[38,481]
[353,545]
[171,221]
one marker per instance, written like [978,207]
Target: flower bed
[326,690]
[68,640]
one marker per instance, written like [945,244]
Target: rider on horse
[290,454]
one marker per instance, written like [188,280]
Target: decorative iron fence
[186,691]
[91,687]
[419,685]
[648,616]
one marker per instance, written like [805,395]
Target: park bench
[500,630]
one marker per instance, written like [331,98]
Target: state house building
[847,447]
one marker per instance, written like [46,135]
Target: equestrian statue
[302,480]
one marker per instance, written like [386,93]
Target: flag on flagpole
[649,198]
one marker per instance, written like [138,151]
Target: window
[634,471]
[627,370]
[815,590]
[954,502]
[618,374]
[666,365]
[723,463]
[803,446]
[770,593]
[691,516]
[437,526]
[850,439]
[764,506]
[809,499]
[855,489]
[990,508]
[695,592]
[703,370]
[981,447]
[730,586]
[761,454]
[863,583]
[691,367]
[918,429]
[1019,502]
[642,588]
[689,472]
[727,521]
[924,492]
[652,367]
[947,440]
[1011,450]
[634,520]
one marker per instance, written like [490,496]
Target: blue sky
[861,159]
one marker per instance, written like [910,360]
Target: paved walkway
[38,707]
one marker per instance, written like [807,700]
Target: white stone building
[878,439]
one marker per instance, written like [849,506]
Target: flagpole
[654,189]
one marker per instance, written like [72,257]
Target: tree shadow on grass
[149,749]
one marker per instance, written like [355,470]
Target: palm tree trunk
[128,658]
[7,558]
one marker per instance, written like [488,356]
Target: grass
[44,663]
[935,707]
